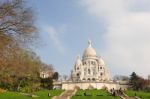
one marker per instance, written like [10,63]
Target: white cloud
[127,36]
[54,34]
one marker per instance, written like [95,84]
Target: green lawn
[93,94]
[141,94]
[42,95]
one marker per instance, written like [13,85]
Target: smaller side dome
[101,61]
[78,61]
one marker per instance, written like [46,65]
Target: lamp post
[149,78]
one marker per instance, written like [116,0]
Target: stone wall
[95,85]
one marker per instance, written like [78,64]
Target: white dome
[89,51]
[78,61]
[101,61]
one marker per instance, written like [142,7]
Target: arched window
[78,77]
[89,62]
[83,79]
[93,79]
[94,71]
[101,74]
[93,63]
[89,71]
[85,71]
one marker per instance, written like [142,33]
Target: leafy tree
[47,83]
[22,66]
[134,81]
[137,82]
[19,68]
[55,76]
[143,83]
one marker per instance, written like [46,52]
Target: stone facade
[45,74]
[90,68]
[94,85]
[90,71]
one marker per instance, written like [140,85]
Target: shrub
[77,87]
[104,88]
[47,83]
[90,87]
[2,90]
[147,89]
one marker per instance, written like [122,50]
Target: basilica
[90,67]
[90,71]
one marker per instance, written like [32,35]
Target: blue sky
[119,30]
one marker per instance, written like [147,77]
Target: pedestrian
[49,94]
[85,94]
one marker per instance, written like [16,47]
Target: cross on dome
[78,56]
[89,51]
[90,43]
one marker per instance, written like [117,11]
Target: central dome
[89,51]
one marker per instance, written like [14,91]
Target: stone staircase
[66,94]
[130,98]
[124,96]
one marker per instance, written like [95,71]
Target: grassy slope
[141,94]
[95,94]
[42,95]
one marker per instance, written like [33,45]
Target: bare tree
[65,77]
[16,24]
[121,78]
[16,19]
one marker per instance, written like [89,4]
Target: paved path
[124,96]
[130,98]
[68,93]
[65,94]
